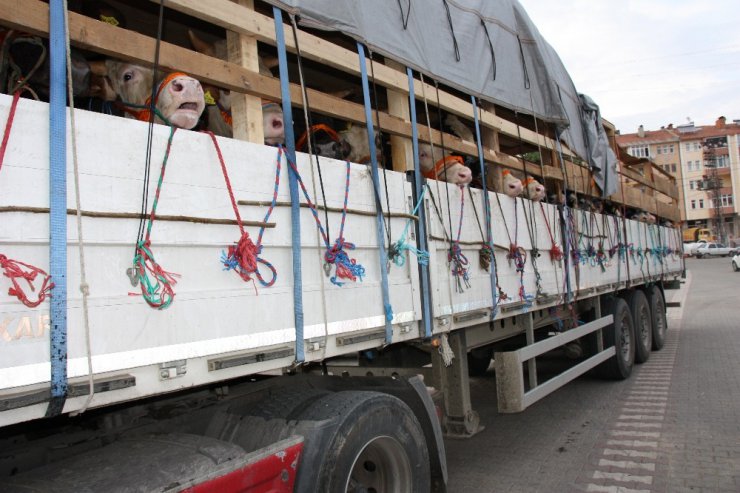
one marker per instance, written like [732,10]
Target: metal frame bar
[512,396]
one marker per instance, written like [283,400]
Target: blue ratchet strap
[295,211]
[421,225]
[487,208]
[58,207]
[382,254]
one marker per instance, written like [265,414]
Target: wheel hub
[382,466]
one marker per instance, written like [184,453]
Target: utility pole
[712,183]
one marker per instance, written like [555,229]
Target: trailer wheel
[621,335]
[657,315]
[377,445]
[479,359]
[643,323]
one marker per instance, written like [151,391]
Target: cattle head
[272,123]
[133,83]
[535,190]
[512,186]
[179,98]
[450,169]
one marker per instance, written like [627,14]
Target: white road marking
[632,453]
[642,410]
[632,443]
[639,434]
[641,403]
[613,489]
[627,464]
[639,425]
[623,477]
[641,417]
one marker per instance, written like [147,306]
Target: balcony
[725,211]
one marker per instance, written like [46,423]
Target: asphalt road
[674,426]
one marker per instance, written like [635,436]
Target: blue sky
[650,62]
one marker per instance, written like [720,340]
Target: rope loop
[422,257]
[156,283]
[346,268]
[459,266]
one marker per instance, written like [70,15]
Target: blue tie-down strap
[58,206]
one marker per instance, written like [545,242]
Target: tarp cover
[496,53]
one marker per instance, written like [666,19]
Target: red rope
[242,256]
[14,269]
[556,254]
[8,126]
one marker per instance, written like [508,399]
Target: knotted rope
[345,267]
[556,253]
[395,252]
[157,290]
[458,261]
[518,255]
[243,256]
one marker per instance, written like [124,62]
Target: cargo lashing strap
[380,230]
[14,269]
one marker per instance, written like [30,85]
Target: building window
[722,161]
[688,146]
[692,184]
[697,147]
[693,204]
[726,200]
[639,151]
[701,203]
[673,167]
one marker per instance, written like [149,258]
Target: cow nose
[176,86]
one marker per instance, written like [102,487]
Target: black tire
[479,359]
[734,266]
[643,323]
[657,315]
[620,335]
[376,444]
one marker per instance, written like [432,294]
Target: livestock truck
[135,357]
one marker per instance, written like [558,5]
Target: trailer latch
[173,369]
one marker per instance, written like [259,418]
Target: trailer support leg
[460,421]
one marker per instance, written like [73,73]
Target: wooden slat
[246,110]
[660,184]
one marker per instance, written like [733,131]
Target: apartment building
[706,163]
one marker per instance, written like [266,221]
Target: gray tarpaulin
[529,76]
[602,158]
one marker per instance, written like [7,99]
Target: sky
[648,62]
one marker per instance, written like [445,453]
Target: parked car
[713,250]
[689,249]
[736,262]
